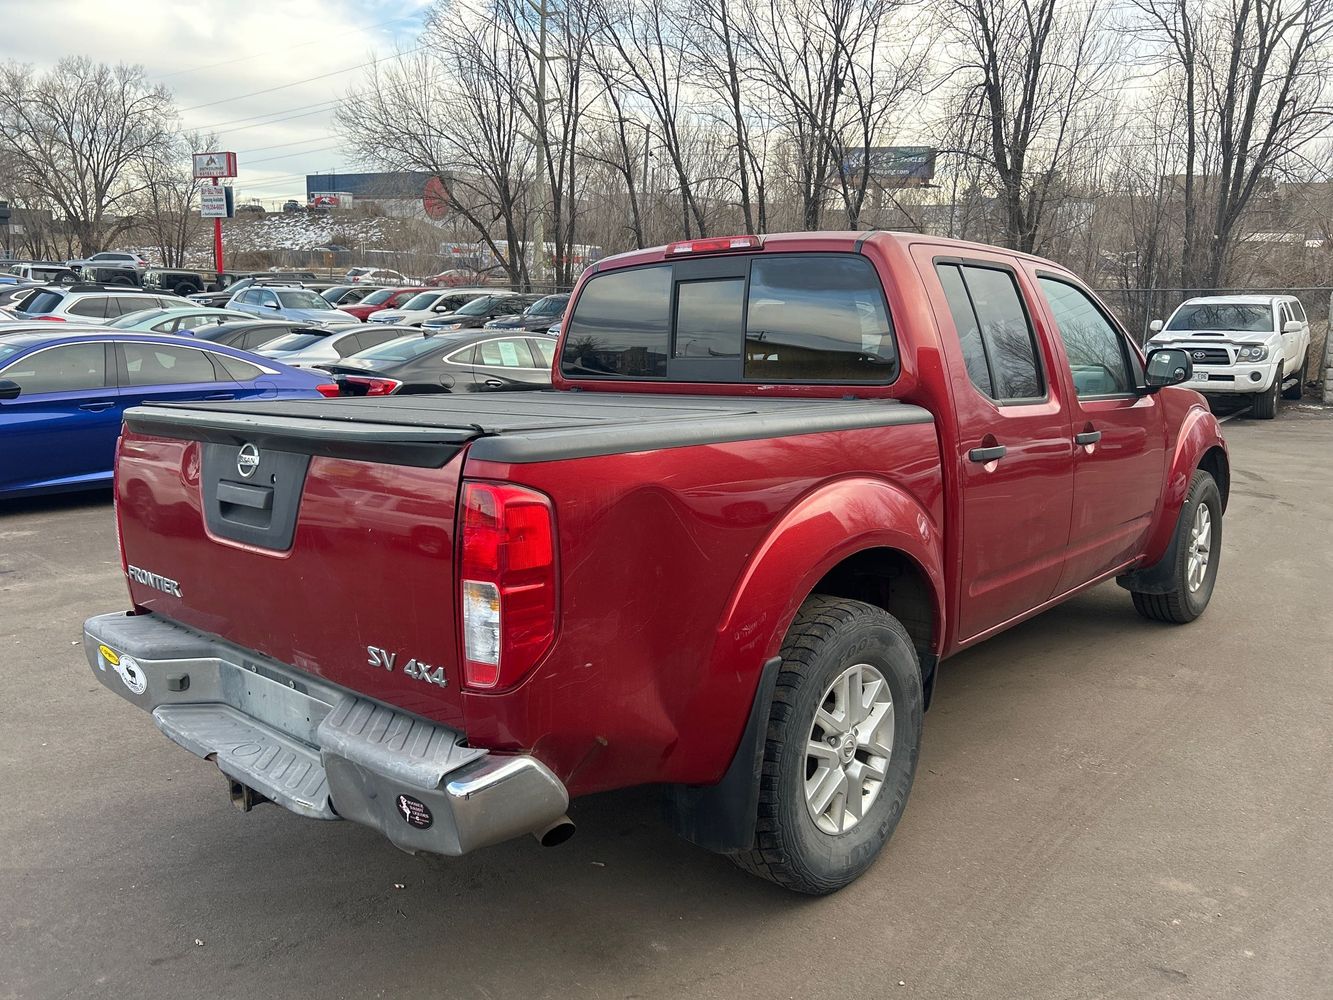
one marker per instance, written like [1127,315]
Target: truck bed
[428,430]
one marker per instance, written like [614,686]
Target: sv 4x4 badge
[413,668]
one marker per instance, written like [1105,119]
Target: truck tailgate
[310,542]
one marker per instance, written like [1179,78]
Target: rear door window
[92,306]
[163,364]
[507,353]
[544,351]
[998,345]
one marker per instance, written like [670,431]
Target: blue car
[63,395]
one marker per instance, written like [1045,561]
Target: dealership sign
[213,201]
[214,164]
[903,165]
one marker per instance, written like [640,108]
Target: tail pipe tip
[555,833]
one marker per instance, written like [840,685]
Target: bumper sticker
[109,655]
[415,812]
[132,674]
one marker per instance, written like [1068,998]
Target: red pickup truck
[777,481]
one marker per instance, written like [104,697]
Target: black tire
[1298,389]
[121,281]
[185,288]
[1181,605]
[828,636]
[1265,404]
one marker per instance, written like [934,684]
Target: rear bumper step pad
[317,749]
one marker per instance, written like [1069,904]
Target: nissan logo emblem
[247,460]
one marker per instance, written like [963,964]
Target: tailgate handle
[258,497]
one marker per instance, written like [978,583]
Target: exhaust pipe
[555,833]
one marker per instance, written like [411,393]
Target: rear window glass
[42,302]
[294,341]
[818,319]
[403,349]
[783,318]
[621,325]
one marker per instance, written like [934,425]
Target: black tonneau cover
[428,430]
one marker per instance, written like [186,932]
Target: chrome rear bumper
[317,749]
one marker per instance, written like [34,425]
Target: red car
[383,298]
[778,482]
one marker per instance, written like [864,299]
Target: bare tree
[167,207]
[76,135]
[1253,84]
[1031,100]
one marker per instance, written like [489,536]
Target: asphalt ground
[1105,808]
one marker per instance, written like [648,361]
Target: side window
[373,338]
[241,371]
[986,307]
[620,326]
[820,318]
[544,351]
[1298,310]
[504,354]
[162,364]
[60,369]
[248,297]
[1096,351]
[255,338]
[92,306]
[965,321]
[464,357]
[345,347]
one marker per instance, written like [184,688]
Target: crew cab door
[1012,449]
[1119,433]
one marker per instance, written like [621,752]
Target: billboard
[904,166]
[214,165]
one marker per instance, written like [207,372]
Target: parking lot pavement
[1104,808]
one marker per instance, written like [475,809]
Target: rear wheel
[1298,389]
[185,288]
[843,736]
[1196,550]
[1265,404]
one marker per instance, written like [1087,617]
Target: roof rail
[94,286]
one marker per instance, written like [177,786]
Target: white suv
[1256,345]
[95,305]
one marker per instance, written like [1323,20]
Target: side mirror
[1156,326]
[9,389]
[271,305]
[1291,326]
[1168,366]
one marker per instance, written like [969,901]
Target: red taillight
[373,386]
[329,389]
[718,245]
[507,590]
[51,319]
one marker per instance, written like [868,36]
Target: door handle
[987,454]
[221,395]
[494,383]
[1087,437]
[95,407]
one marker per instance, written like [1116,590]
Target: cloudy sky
[266,75]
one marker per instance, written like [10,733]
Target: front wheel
[1265,404]
[844,732]
[1196,551]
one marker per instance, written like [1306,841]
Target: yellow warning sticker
[110,655]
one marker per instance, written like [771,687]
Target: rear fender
[1200,434]
[827,526]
